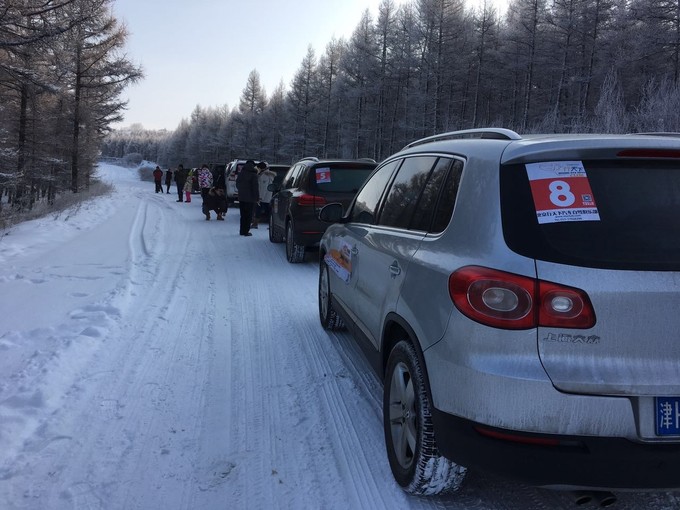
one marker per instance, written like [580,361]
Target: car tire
[414,458]
[274,234]
[327,315]
[295,253]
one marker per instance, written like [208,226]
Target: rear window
[339,179]
[632,222]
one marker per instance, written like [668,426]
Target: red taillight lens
[510,301]
[564,307]
[498,299]
[311,200]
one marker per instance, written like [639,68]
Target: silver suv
[519,296]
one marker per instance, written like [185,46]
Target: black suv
[310,184]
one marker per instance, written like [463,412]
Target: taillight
[311,200]
[649,153]
[564,307]
[509,301]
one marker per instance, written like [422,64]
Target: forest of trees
[423,67]
[62,70]
[432,66]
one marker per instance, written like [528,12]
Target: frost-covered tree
[251,105]
[302,101]
[610,110]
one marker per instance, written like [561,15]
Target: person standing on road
[157,179]
[189,186]
[248,195]
[180,180]
[264,178]
[168,179]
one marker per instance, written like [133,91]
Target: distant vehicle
[234,168]
[519,297]
[310,184]
[280,171]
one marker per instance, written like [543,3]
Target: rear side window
[339,179]
[406,189]
[638,224]
[447,199]
[291,176]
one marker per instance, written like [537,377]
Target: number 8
[560,194]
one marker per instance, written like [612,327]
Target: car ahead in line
[234,168]
[280,171]
[519,297]
[310,184]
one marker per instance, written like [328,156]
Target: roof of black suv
[314,160]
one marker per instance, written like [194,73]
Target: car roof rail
[658,133]
[309,158]
[370,160]
[488,133]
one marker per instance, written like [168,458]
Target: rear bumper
[576,462]
[308,231]
[308,240]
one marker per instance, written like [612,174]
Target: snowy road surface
[150,359]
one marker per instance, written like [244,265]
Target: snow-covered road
[150,359]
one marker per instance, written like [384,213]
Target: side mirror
[274,188]
[331,213]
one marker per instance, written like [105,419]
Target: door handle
[395,270]
[354,250]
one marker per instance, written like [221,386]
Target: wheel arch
[395,330]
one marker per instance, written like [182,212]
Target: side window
[403,196]
[447,198]
[366,203]
[300,176]
[422,217]
[289,178]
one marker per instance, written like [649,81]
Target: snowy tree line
[62,71]
[437,65]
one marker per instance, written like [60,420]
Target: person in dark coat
[168,180]
[218,179]
[248,195]
[157,179]
[215,201]
[180,180]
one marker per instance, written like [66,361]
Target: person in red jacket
[157,179]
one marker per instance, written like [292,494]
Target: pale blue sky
[200,52]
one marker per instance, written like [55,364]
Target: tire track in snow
[143,378]
[329,395]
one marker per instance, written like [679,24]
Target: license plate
[667,416]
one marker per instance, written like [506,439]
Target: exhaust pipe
[603,498]
[583,497]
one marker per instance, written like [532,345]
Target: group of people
[213,196]
[252,184]
[253,194]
